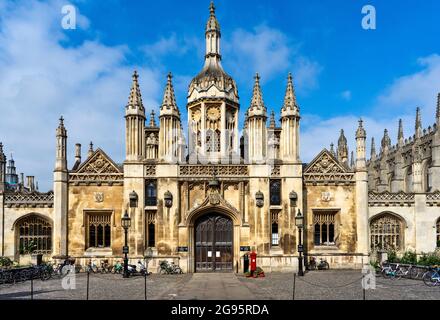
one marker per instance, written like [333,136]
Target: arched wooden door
[214,243]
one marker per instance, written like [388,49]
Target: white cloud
[41,79]
[419,89]
[346,95]
[270,52]
[398,101]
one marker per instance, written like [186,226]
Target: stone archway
[213,246]
[214,216]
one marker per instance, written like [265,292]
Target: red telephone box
[253,262]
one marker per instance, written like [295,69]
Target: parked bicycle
[323,264]
[398,271]
[91,267]
[432,277]
[169,268]
[118,268]
[105,267]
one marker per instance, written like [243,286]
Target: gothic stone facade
[204,200]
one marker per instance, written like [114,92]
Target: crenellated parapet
[386,199]
[29,200]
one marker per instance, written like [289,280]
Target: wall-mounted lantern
[293,196]
[259,198]
[168,199]
[133,199]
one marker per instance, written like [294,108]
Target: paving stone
[323,285]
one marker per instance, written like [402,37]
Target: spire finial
[257,102]
[386,141]
[272,124]
[438,108]
[290,105]
[61,130]
[135,99]
[332,148]
[169,103]
[373,149]
[152,119]
[400,135]
[418,123]
[361,133]
[212,8]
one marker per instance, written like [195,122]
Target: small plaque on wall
[182,249]
[245,249]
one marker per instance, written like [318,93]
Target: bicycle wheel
[414,273]
[428,279]
[163,271]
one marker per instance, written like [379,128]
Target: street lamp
[293,196]
[168,199]
[133,197]
[259,199]
[126,223]
[299,221]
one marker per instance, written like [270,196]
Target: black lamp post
[126,223]
[299,221]
[133,197]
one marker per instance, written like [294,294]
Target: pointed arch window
[150,193]
[99,230]
[275,192]
[427,176]
[386,233]
[324,228]
[35,234]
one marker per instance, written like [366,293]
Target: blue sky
[342,72]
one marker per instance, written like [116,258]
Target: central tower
[213,106]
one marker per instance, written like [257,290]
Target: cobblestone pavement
[337,285]
[101,287]
[319,285]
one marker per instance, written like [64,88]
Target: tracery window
[324,228]
[150,194]
[275,192]
[386,233]
[427,177]
[36,233]
[99,230]
[151,228]
[213,140]
[275,241]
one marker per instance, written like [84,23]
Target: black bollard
[88,279]
[294,285]
[32,287]
[145,286]
[363,287]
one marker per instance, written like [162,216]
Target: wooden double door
[214,243]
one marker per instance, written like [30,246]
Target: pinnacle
[257,96]
[135,99]
[290,97]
